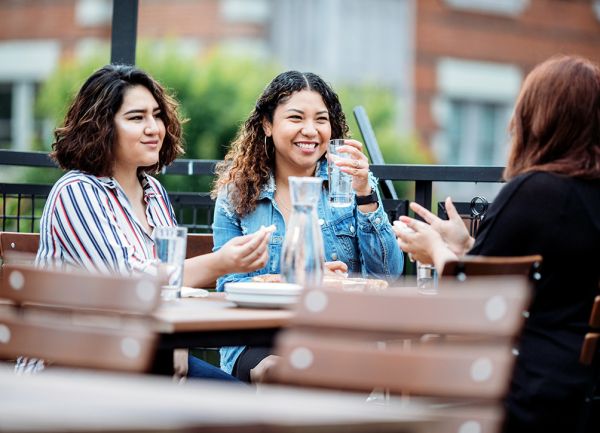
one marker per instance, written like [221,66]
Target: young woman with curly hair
[550,206]
[285,135]
[121,127]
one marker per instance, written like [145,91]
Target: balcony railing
[21,204]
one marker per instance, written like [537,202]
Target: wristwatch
[367,199]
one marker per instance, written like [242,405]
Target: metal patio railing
[21,204]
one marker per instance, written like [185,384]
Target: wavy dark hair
[87,139]
[556,124]
[251,158]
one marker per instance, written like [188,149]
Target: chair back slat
[78,319]
[361,341]
[27,284]
[490,265]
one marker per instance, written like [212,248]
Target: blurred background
[438,78]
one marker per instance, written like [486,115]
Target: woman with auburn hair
[287,134]
[121,127]
[550,206]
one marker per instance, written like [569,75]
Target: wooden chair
[18,247]
[78,319]
[488,265]
[590,356]
[335,342]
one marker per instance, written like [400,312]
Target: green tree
[216,93]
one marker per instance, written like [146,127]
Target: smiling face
[139,131]
[300,131]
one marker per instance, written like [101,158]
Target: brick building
[455,66]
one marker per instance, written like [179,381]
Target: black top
[559,218]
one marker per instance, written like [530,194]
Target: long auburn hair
[556,123]
[87,139]
[251,158]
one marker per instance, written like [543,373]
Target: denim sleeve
[226,226]
[380,254]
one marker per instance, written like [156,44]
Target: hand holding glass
[170,250]
[340,183]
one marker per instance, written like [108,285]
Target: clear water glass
[170,245]
[340,183]
[426,278]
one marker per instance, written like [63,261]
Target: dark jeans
[247,360]
[199,369]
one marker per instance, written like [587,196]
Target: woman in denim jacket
[287,135]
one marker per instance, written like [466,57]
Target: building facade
[455,66]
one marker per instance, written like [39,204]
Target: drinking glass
[426,278]
[340,183]
[170,245]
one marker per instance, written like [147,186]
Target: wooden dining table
[67,400]
[212,321]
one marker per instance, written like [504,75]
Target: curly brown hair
[87,139]
[248,164]
[556,124]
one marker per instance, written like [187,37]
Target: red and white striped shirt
[89,223]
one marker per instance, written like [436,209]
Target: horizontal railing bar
[399,172]
[438,173]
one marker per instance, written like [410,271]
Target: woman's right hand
[453,231]
[247,253]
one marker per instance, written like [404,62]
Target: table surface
[215,313]
[67,400]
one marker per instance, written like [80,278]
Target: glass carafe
[303,256]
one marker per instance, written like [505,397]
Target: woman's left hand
[356,166]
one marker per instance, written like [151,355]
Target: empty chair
[336,338]
[78,319]
[487,265]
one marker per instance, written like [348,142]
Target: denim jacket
[364,241]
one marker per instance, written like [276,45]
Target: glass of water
[340,183]
[170,245]
[426,278]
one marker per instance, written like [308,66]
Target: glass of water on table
[170,245]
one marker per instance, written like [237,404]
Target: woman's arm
[238,254]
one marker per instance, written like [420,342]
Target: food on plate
[335,281]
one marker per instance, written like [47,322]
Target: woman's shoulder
[538,184]
[76,177]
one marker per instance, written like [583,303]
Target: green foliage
[216,93]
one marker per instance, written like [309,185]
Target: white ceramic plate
[261,301]
[263,289]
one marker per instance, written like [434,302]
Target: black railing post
[124,31]
[423,193]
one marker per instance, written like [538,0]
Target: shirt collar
[147,185]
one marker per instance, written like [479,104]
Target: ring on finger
[355,163]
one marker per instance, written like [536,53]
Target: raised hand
[452,231]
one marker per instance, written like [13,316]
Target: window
[477,133]
[473,107]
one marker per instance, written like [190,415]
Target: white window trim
[500,7]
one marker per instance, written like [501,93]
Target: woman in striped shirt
[100,215]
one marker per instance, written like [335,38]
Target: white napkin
[190,292]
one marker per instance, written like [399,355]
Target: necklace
[283,205]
